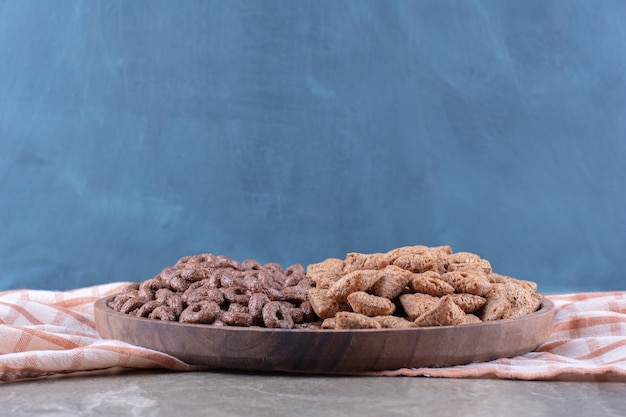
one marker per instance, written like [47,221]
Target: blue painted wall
[136,132]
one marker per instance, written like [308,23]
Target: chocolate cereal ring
[148,288]
[252,282]
[277,315]
[229,278]
[239,295]
[255,305]
[167,274]
[179,284]
[203,312]
[120,299]
[194,295]
[297,293]
[237,318]
[276,270]
[295,269]
[274,294]
[164,313]
[131,305]
[130,288]
[237,308]
[221,261]
[194,274]
[250,264]
[146,293]
[163,294]
[147,308]
[297,314]
[175,301]
[307,309]
[269,281]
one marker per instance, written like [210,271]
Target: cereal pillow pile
[415,286]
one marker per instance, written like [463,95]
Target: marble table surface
[162,393]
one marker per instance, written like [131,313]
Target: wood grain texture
[329,351]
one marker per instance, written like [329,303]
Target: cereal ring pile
[415,286]
[216,290]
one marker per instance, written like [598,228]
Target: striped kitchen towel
[52,334]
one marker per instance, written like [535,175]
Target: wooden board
[329,351]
